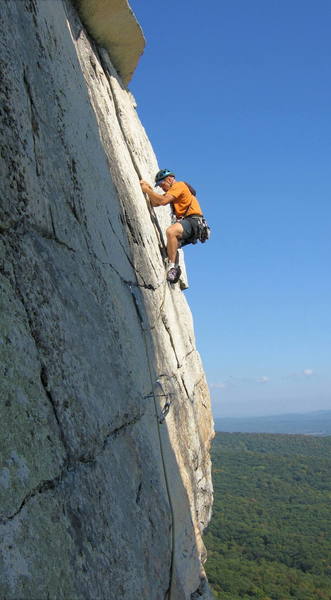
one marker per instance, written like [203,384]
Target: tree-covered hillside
[270,534]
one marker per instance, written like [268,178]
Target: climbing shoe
[174,274]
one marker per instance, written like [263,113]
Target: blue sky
[235,97]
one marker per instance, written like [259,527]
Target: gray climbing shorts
[190,226]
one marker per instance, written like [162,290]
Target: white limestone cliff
[98,499]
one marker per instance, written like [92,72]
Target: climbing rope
[160,420]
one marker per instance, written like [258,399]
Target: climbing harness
[204,230]
[201,229]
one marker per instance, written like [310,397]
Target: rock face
[98,498]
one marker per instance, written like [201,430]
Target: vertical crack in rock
[73,209]
[129,259]
[138,310]
[162,454]
[147,286]
[132,231]
[34,120]
[55,237]
[76,193]
[43,371]
[44,381]
[139,493]
[104,61]
[168,330]
[185,388]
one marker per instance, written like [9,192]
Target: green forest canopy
[270,534]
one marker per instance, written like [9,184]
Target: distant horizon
[317,422]
[269,415]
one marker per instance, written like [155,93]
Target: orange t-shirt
[183,200]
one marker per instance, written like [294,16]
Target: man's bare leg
[174,234]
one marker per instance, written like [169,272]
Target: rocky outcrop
[105,417]
[114,26]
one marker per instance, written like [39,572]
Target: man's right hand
[145,186]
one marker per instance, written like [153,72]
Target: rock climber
[186,209]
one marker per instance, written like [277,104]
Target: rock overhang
[114,26]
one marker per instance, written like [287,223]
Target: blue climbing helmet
[162,175]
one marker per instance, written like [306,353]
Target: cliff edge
[105,483]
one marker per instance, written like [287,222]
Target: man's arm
[155,198]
